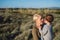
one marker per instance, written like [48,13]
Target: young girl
[46,31]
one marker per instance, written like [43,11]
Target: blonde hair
[35,16]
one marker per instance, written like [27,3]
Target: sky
[29,3]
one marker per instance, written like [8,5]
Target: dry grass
[20,25]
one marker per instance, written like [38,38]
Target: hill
[18,26]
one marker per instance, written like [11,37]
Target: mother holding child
[43,26]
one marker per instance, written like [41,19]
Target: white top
[46,32]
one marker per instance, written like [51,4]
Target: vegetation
[17,25]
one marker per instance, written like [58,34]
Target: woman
[35,31]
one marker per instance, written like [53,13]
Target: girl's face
[45,21]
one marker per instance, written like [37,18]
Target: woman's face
[39,20]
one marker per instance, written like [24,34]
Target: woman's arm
[34,34]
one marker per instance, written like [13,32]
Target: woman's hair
[49,17]
[35,16]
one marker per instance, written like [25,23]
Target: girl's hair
[49,17]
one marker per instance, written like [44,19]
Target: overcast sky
[29,3]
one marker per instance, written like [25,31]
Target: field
[17,24]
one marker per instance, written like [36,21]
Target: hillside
[18,26]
